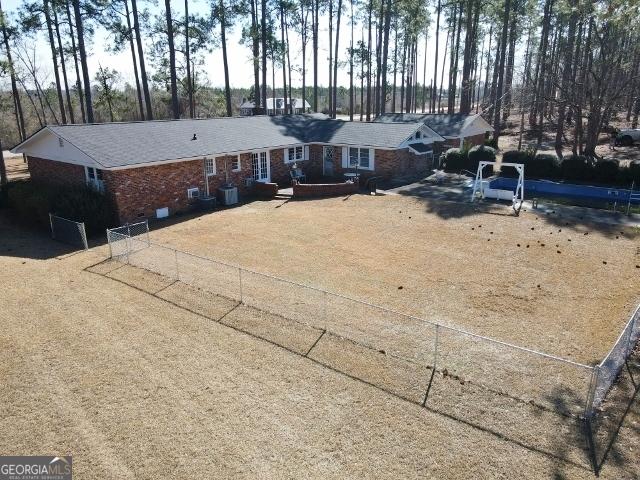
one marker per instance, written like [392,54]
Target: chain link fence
[553,383]
[127,238]
[68,231]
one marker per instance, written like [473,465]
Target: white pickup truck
[628,137]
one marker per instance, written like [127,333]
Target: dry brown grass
[137,386]
[492,274]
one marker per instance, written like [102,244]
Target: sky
[240,65]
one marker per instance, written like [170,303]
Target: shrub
[33,203]
[543,165]
[83,204]
[606,171]
[477,154]
[29,201]
[518,156]
[577,167]
[455,160]
[491,142]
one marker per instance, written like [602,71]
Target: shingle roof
[444,124]
[123,144]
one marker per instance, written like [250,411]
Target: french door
[261,166]
[327,161]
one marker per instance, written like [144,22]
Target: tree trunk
[351,68]
[56,24]
[566,80]
[510,66]
[187,50]
[395,68]
[83,61]
[329,91]
[175,105]
[3,174]
[14,86]
[435,61]
[335,62]
[497,121]
[75,61]
[453,78]
[303,16]
[369,63]
[263,39]
[284,59]
[257,94]
[316,14]
[54,58]
[225,59]
[133,57]
[143,70]
[385,54]
[468,56]
[444,61]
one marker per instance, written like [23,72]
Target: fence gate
[127,238]
[68,231]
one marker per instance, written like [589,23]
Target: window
[418,134]
[210,166]
[295,154]
[193,192]
[94,177]
[235,163]
[360,158]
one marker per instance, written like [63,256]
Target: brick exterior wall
[138,192]
[387,163]
[51,172]
[309,190]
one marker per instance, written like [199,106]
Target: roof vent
[195,136]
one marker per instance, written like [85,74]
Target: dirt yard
[100,361]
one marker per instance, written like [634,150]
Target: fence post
[53,235]
[109,242]
[588,417]
[435,364]
[240,279]
[325,308]
[177,267]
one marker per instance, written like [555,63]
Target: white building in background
[275,106]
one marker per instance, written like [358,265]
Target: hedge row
[33,202]
[574,168]
[456,159]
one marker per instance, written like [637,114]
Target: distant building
[275,106]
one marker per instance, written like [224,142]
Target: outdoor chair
[297,176]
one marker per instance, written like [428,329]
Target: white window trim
[305,153]
[214,163]
[239,165]
[346,158]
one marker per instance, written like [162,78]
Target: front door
[327,161]
[261,166]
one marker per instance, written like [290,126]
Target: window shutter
[345,157]
[286,155]
[371,158]
[306,152]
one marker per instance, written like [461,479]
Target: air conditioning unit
[228,195]
[193,193]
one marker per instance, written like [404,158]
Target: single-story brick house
[146,166]
[457,129]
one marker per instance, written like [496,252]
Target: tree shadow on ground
[620,410]
[452,200]
[33,242]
